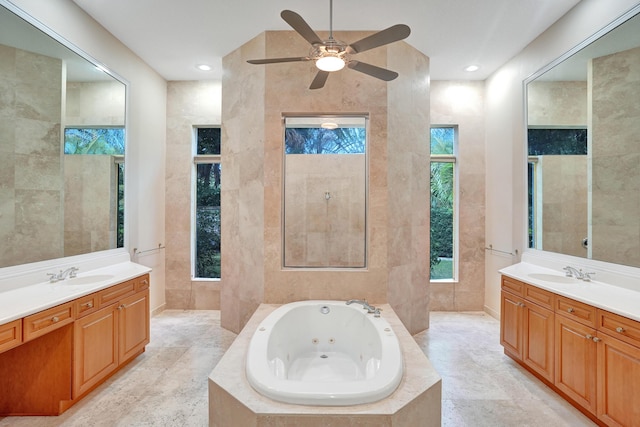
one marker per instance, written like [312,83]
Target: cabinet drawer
[115,293]
[142,283]
[539,296]
[87,304]
[10,335]
[578,311]
[619,327]
[514,286]
[48,320]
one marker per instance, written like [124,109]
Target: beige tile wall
[31,183]
[615,130]
[189,104]
[461,103]
[254,99]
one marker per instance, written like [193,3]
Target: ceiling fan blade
[319,80]
[372,70]
[277,60]
[390,35]
[297,23]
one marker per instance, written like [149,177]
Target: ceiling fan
[332,55]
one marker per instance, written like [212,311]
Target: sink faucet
[572,272]
[365,304]
[69,272]
[578,274]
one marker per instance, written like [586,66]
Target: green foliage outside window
[442,204]
[94,141]
[325,141]
[207,259]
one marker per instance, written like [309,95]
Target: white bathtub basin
[324,353]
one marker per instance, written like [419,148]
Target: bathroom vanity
[580,338]
[58,341]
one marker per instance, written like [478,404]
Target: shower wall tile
[254,101]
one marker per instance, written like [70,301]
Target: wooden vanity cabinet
[62,353]
[575,361]
[10,335]
[596,354]
[107,338]
[618,385]
[527,324]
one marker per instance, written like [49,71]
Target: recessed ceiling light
[471,68]
[204,67]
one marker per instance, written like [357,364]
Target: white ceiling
[173,36]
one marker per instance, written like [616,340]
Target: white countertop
[622,301]
[26,300]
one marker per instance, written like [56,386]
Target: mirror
[61,147]
[583,119]
[325,192]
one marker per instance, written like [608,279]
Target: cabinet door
[511,324]
[538,345]
[575,367]
[618,382]
[95,349]
[134,324]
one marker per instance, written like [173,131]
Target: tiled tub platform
[233,402]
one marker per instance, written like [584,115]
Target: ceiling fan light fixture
[330,63]
[329,125]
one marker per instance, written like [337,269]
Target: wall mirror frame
[325,191]
[587,205]
[55,204]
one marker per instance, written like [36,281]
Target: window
[207,171]
[107,141]
[549,142]
[325,192]
[443,260]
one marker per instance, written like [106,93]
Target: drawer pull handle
[121,306]
[55,319]
[620,329]
[88,304]
[589,337]
[520,304]
[145,282]
[596,339]
[570,310]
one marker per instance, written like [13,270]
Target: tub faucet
[365,304]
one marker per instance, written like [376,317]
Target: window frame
[453,159]
[199,159]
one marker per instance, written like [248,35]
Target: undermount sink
[555,278]
[86,280]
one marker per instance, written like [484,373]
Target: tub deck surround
[416,401]
[324,353]
[32,298]
[609,297]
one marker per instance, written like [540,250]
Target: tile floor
[167,385]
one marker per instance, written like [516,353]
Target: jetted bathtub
[324,353]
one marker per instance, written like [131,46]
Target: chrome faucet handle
[53,277]
[586,276]
[73,271]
